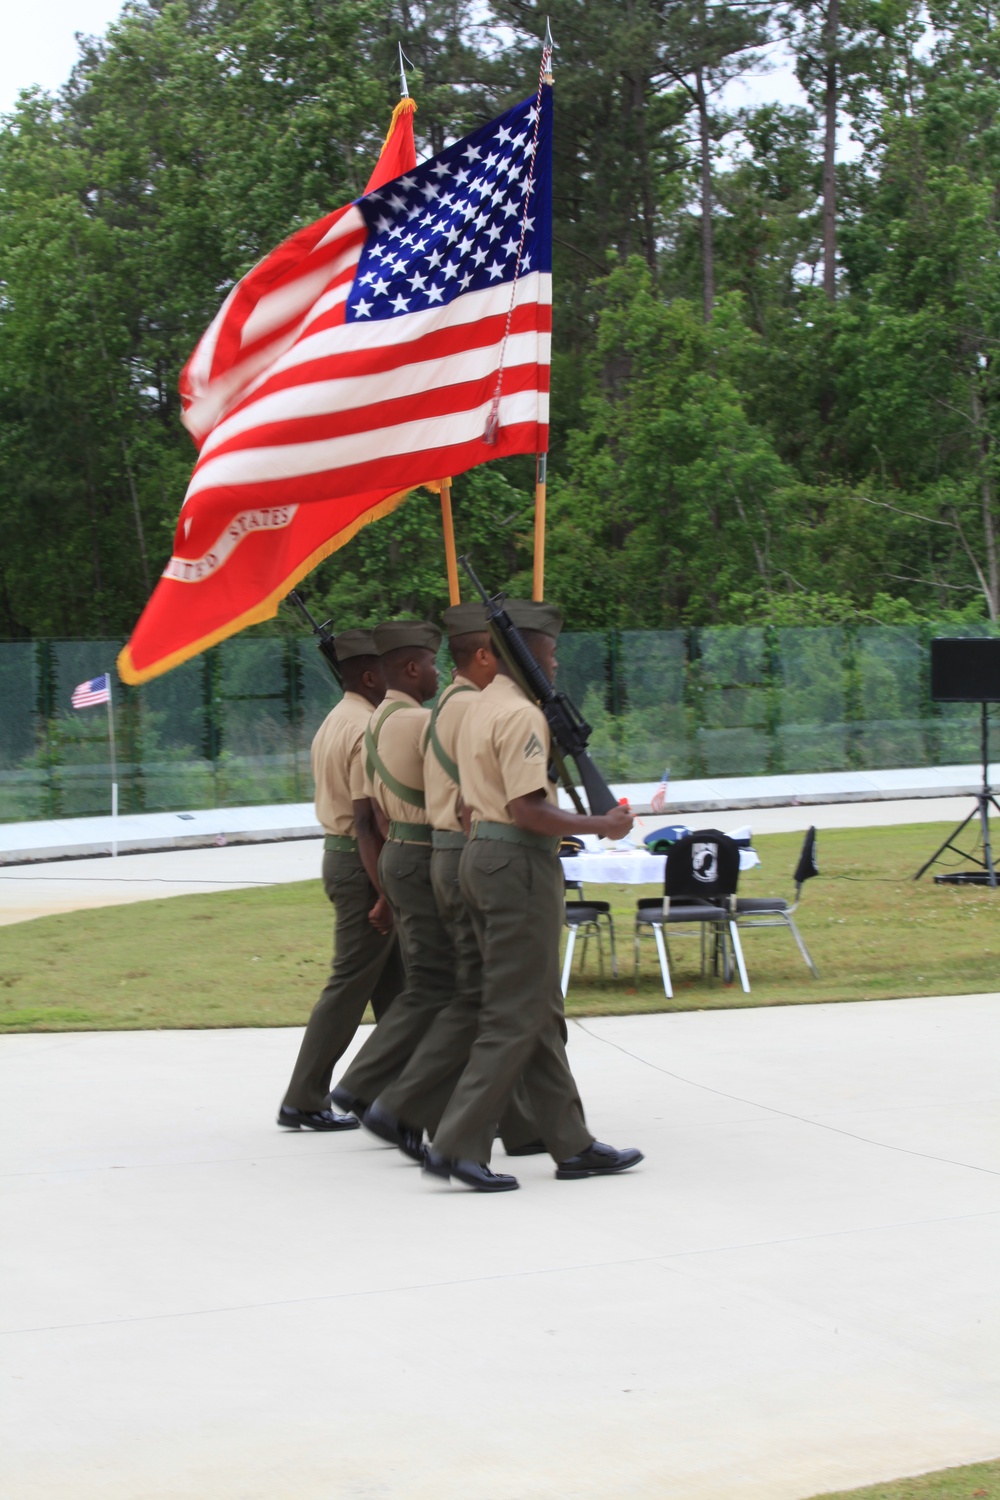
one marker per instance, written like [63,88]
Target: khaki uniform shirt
[441,791]
[401,749]
[337,763]
[503,751]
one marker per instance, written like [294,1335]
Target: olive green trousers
[366,966]
[515,895]
[420,1093]
[405,873]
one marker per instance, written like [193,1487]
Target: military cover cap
[353,643]
[535,614]
[392,634]
[464,619]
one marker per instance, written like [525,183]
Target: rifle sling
[444,760]
[512,667]
[375,764]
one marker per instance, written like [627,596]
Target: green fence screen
[234,726]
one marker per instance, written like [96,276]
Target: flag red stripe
[386,474]
[458,397]
[293,461]
[283,264]
[439,343]
[344,258]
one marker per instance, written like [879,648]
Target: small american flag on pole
[400,340]
[97,690]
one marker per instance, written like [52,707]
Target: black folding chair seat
[579,912]
[755,911]
[650,909]
[599,906]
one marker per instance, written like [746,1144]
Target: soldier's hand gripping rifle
[325,642]
[570,731]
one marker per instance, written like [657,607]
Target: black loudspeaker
[965,670]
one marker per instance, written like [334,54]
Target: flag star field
[454,224]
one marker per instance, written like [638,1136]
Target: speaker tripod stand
[986,874]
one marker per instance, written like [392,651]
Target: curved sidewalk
[796,1292]
[81,838]
[46,887]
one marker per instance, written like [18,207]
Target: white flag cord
[114,775]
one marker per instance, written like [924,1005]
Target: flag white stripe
[277,308]
[329,300]
[207,410]
[358,337]
[200,364]
[350,221]
[293,460]
[350,338]
[351,393]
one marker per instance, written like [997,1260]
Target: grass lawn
[259,957]
[973,1482]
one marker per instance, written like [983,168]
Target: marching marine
[394,780]
[417,1097]
[366,963]
[513,884]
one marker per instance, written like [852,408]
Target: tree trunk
[707,250]
[137,515]
[986,503]
[647,197]
[831,31]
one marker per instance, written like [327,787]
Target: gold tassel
[404,104]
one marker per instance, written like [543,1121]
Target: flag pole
[541,459]
[447,520]
[114,774]
[538,588]
[450,553]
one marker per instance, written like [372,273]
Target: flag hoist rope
[493,420]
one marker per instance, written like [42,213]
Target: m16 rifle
[324,644]
[570,731]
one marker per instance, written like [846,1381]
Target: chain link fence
[233,727]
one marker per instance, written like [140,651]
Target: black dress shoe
[598,1160]
[408,1138]
[530,1148]
[350,1103]
[475,1174]
[436,1165]
[314,1119]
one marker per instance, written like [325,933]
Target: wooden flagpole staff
[450,554]
[538,581]
[541,459]
[447,522]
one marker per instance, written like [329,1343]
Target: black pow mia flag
[705,864]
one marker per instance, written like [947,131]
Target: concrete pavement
[43,890]
[796,1292]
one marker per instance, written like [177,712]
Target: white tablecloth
[630,867]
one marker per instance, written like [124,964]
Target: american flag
[97,690]
[373,352]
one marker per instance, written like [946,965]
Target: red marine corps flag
[397,341]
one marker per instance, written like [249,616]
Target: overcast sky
[39,47]
[38,41]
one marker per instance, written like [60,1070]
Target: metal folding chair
[772,911]
[586,916]
[711,860]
